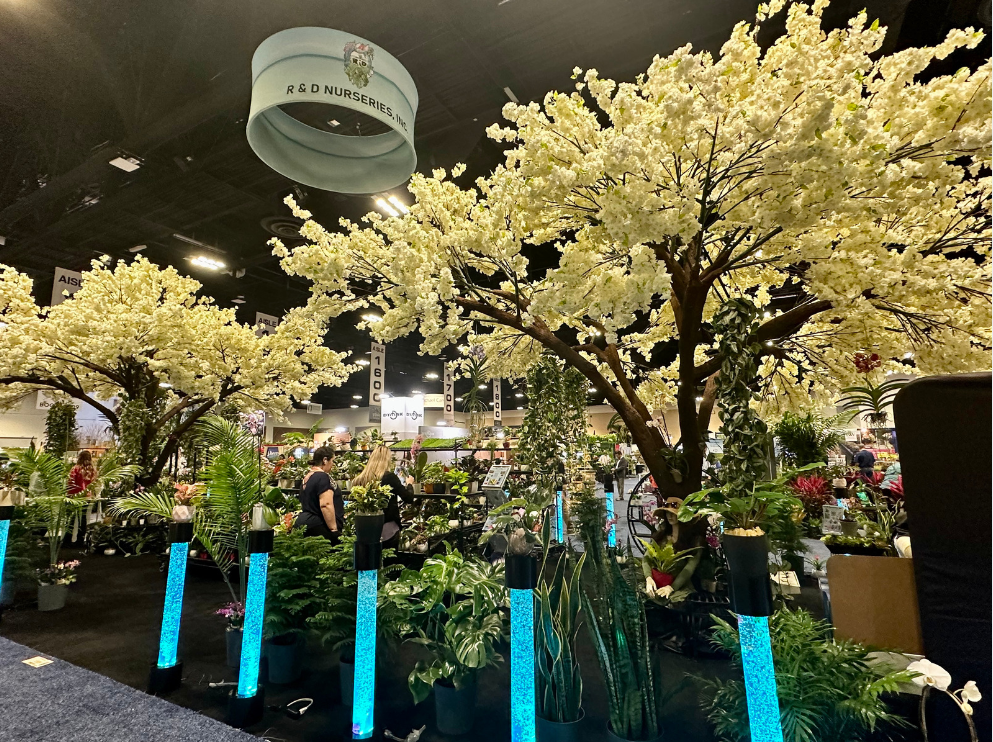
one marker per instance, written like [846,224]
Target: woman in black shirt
[379,469]
[322,507]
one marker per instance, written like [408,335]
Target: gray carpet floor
[64,703]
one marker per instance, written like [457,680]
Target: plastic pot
[748,574]
[286,654]
[560,731]
[232,638]
[368,527]
[346,677]
[617,738]
[52,597]
[850,527]
[455,709]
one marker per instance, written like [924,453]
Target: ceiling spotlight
[303,401]
[482,386]
[491,404]
[362,362]
[431,375]
[202,261]
[699,399]
[372,318]
[165,385]
[341,429]
[356,396]
[458,399]
[353,406]
[443,423]
[386,207]
[127,163]
[767,315]
[417,393]
[908,355]
[137,248]
[238,300]
[398,205]
[333,123]
[510,94]
[520,408]
[518,395]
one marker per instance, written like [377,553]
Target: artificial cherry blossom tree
[140,334]
[627,214]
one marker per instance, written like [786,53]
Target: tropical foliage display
[807,438]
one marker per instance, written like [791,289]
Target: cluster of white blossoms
[138,315]
[809,168]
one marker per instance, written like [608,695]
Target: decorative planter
[368,527]
[417,488]
[560,731]
[850,527]
[346,677]
[285,484]
[428,488]
[617,738]
[748,574]
[473,487]
[286,654]
[52,597]
[232,638]
[455,709]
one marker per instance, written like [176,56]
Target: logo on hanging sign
[358,63]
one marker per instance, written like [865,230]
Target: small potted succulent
[368,503]
[53,585]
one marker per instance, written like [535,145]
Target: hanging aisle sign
[265,324]
[377,377]
[321,65]
[449,396]
[497,410]
[65,281]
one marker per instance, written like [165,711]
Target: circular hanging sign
[321,65]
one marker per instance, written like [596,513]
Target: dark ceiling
[169,82]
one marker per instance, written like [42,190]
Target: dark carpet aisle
[111,623]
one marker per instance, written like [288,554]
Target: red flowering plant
[814,492]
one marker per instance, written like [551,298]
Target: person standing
[379,469]
[81,476]
[322,506]
[621,466]
[865,461]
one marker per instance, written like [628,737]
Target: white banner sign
[402,415]
[434,401]
[265,324]
[44,401]
[377,379]
[67,281]
[448,396]
[497,402]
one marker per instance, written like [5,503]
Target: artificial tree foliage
[61,433]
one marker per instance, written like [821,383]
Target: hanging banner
[402,415]
[413,414]
[322,65]
[265,324]
[449,396]
[66,281]
[497,408]
[434,401]
[377,378]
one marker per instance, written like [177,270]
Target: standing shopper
[620,472]
[81,476]
[379,469]
[322,506]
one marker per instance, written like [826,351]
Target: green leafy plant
[808,438]
[520,519]
[663,567]
[873,398]
[558,681]
[433,473]
[456,607]
[370,498]
[61,433]
[292,586]
[828,690]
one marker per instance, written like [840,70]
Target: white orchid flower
[930,674]
[970,692]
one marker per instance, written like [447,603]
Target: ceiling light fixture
[431,375]
[372,318]
[356,396]
[202,261]
[458,399]
[341,429]
[386,207]
[510,94]
[353,406]
[398,205]
[518,395]
[442,423]
[333,123]
[417,394]
[238,300]
[165,385]
[137,248]
[482,386]
[362,362]
[127,163]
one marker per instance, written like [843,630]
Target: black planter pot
[346,677]
[748,574]
[285,654]
[455,710]
[368,527]
[795,563]
[560,731]
[232,639]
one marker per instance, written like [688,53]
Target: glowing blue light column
[559,518]
[609,500]
[172,611]
[247,705]
[522,578]
[364,689]
[760,679]
[4,529]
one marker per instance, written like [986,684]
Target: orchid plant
[931,676]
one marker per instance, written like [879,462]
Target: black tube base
[748,574]
[521,571]
[7,512]
[260,542]
[181,533]
[243,712]
[367,556]
[165,679]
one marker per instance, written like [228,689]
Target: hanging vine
[61,433]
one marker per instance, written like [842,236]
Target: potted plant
[53,584]
[432,477]
[234,613]
[292,598]
[661,567]
[367,504]
[455,607]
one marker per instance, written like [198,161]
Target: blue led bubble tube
[251,637]
[169,638]
[559,518]
[522,703]
[760,679]
[364,689]
[612,533]
[4,528]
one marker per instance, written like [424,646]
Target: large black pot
[285,654]
[346,677]
[455,709]
[368,527]
[232,640]
[560,731]
[748,574]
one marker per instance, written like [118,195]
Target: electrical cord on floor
[223,684]
[290,711]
